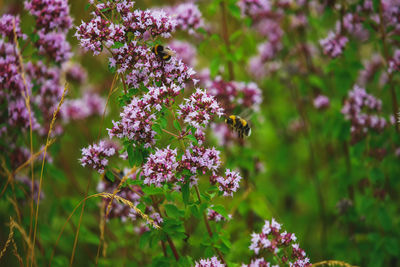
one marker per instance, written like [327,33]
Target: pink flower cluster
[163,167]
[50,14]
[10,78]
[228,184]
[394,63]
[135,124]
[199,108]
[267,18]
[212,215]
[153,22]
[321,102]
[55,46]
[97,33]
[352,23]
[164,81]
[234,94]
[144,67]
[27,182]
[185,51]
[7,23]
[391,13]
[199,158]
[163,95]
[96,156]
[187,17]
[273,240]
[45,79]
[255,8]
[50,90]
[13,89]
[211,262]
[357,109]
[76,73]
[77,109]
[370,68]
[52,24]
[334,44]
[18,115]
[119,210]
[160,167]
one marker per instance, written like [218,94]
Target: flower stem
[395,106]
[168,132]
[225,35]
[220,255]
[170,242]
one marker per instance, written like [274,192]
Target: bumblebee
[241,126]
[163,53]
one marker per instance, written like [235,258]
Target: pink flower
[321,102]
[135,124]
[50,14]
[212,215]
[95,156]
[7,23]
[154,22]
[185,51]
[199,109]
[160,167]
[394,63]
[230,183]
[358,99]
[201,159]
[334,44]
[255,8]
[55,46]
[273,240]
[187,17]
[98,32]
[211,262]
[76,73]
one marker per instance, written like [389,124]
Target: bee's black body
[240,125]
[161,52]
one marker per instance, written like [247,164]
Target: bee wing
[169,52]
[246,113]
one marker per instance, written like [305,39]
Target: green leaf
[316,81]
[192,138]
[152,190]
[110,176]
[214,66]
[221,210]
[177,126]
[376,4]
[55,173]
[163,122]
[234,10]
[195,211]
[157,128]
[117,45]
[87,6]
[185,193]
[173,212]
[144,239]
[131,155]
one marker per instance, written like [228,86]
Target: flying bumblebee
[241,126]
[163,53]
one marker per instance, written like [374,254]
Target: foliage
[315,80]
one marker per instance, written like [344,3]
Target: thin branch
[220,255]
